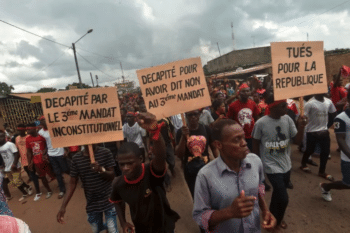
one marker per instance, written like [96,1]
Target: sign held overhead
[82,116]
[298,69]
[174,88]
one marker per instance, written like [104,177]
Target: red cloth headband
[244,85]
[276,103]
[132,113]
[31,127]
[21,128]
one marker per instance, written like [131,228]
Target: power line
[34,34]
[96,67]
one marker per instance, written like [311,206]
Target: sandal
[305,169]
[326,176]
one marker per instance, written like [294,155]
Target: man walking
[56,157]
[97,182]
[342,133]
[230,190]
[317,110]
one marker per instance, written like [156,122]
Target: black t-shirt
[149,207]
[202,130]
[215,116]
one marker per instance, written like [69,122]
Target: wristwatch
[102,170]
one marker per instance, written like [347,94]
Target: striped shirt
[97,190]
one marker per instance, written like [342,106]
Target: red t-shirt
[37,145]
[337,94]
[73,148]
[244,114]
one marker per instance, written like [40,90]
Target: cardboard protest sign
[174,88]
[298,69]
[82,116]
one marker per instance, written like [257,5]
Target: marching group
[227,151]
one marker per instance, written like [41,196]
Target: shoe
[60,195]
[29,190]
[48,195]
[311,162]
[37,196]
[290,185]
[326,194]
[22,198]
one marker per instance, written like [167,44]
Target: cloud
[143,33]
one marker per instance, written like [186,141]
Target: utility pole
[96,81]
[76,63]
[233,37]
[218,48]
[307,36]
[92,80]
[122,72]
[253,41]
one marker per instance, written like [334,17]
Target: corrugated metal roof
[245,71]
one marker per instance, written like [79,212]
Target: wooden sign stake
[301,106]
[184,123]
[91,153]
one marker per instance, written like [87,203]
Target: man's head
[320,97]
[32,129]
[219,106]
[229,138]
[130,118]
[43,122]
[193,118]
[244,92]
[2,137]
[130,160]
[277,108]
[256,97]
[21,129]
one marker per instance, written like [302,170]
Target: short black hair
[217,103]
[218,127]
[21,125]
[129,147]
[31,125]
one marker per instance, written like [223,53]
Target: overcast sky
[143,33]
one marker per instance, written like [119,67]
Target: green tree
[46,89]
[77,85]
[5,89]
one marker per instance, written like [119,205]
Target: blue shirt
[216,188]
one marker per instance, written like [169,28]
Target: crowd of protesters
[227,151]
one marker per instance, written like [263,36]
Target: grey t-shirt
[275,136]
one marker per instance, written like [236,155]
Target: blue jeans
[59,166]
[96,221]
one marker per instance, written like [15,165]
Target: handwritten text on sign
[298,69]
[85,116]
[174,88]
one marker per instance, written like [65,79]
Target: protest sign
[82,116]
[298,69]
[174,88]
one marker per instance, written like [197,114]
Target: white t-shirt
[205,118]
[342,125]
[50,150]
[134,134]
[317,113]
[7,152]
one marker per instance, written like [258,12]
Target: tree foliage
[77,85]
[46,89]
[5,89]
